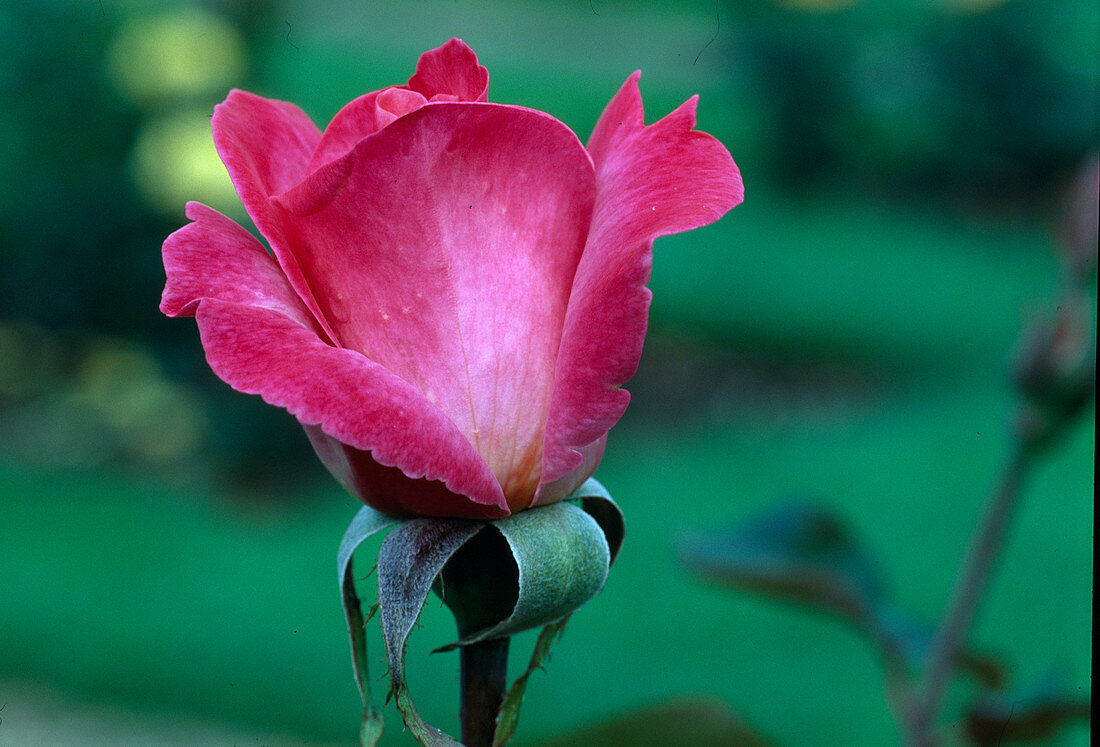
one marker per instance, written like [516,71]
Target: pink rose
[458,288]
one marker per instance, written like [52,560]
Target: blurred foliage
[709,724]
[984,107]
[92,401]
[1029,715]
[802,552]
[192,51]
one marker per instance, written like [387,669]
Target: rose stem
[969,587]
[484,672]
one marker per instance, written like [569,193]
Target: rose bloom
[456,290]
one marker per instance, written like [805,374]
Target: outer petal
[213,257]
[259,351]
[266,146]
[390,490]
[260,339]
[650,181]
[447,254]
[550,492]
[451,69]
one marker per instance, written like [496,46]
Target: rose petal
[591,455]
[266,146]
[390,490]
[362,118]
[353,399]
[448,73]
[355,121]
[651,181]
[395,102]
[447,257]
[213,257]
[451,69]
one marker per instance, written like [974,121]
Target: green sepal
[531,569]
[366,523]
[508,716]
[559,559]
[411,557]
[597,502]
[511,598]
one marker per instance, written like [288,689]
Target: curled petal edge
[651,181]
[351,398]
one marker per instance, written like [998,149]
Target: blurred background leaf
[1027,715]
[801,552]
[710,724]
[842,331]
[797,550]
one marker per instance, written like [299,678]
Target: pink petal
[447,256]
[451,69]
[390,490]
[551,492]
[449,73]
[351,124]
[266,146]
[661,179]
[361,118]
[354,400]
[213,257]
[393,103]
[651,181]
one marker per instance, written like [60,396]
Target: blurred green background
[167,545]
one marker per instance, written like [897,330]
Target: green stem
[969,589]
[484,673]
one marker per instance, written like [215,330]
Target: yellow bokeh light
[180,53]
[174,161]
[151,419]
